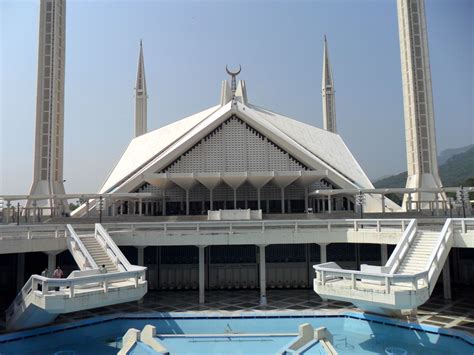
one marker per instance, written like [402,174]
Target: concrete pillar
[141,255]
[282,200]
[114,209]
[140,207]
[329,204]
[187,202]
[323,253]
[263,274]
[383,254]
[447,281]
[51,261]
[6,216]
[258,199]
[306,200]
[211,202]
[235,199]
[164,203]
[202,280]
[20,271]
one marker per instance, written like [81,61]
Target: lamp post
[462,197]
[100,207]
[360,201]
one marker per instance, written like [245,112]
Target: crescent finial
[231,73]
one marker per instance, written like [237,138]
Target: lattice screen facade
[234,146]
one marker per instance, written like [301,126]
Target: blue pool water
[353,334]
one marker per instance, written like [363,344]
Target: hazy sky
[187,45]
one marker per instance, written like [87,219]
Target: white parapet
[234,215]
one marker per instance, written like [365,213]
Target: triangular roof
[315,147]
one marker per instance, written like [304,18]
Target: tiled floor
[457,313]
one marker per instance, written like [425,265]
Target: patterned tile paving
[457,313]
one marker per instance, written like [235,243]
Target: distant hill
[456,167]
[448,153]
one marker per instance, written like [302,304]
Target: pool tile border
[11,337]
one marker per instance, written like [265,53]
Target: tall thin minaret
[140,97]
[49,136]
[328,92]
[420,130]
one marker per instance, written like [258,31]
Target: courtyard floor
[457,313]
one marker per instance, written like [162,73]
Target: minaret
[327,92]
[49,136]
[420,130]
[140,97]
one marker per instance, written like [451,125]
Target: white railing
[424,279]
[464,224]
[111,248]
[402,247]
[36,231]
[49,287]
[440,253]
[79,252]
[233,227]
[331,271]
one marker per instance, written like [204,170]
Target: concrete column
[282,200]
[51,261]
[164,203]
[258,199]
[324,204]
[323,253]
[20,271]
[114,209]
[6,216]
[447,281]
[202,269]
[141,255]
[263,273]
[329,204]
[211,202]
[140,207]
[383,254]
[187,202]
[306,200]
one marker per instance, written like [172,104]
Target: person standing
[58,274]
[103,269]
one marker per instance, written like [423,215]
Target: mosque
[226,199]
[233,156]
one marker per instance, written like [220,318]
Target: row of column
[262,269]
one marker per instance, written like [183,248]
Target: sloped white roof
[321,146]
[143,148]
[326,145]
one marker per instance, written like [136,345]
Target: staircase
[405,282]
[42,299]
[97,252]
[417,256]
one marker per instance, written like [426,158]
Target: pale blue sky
[187,45]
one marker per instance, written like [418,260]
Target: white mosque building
[235,155]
